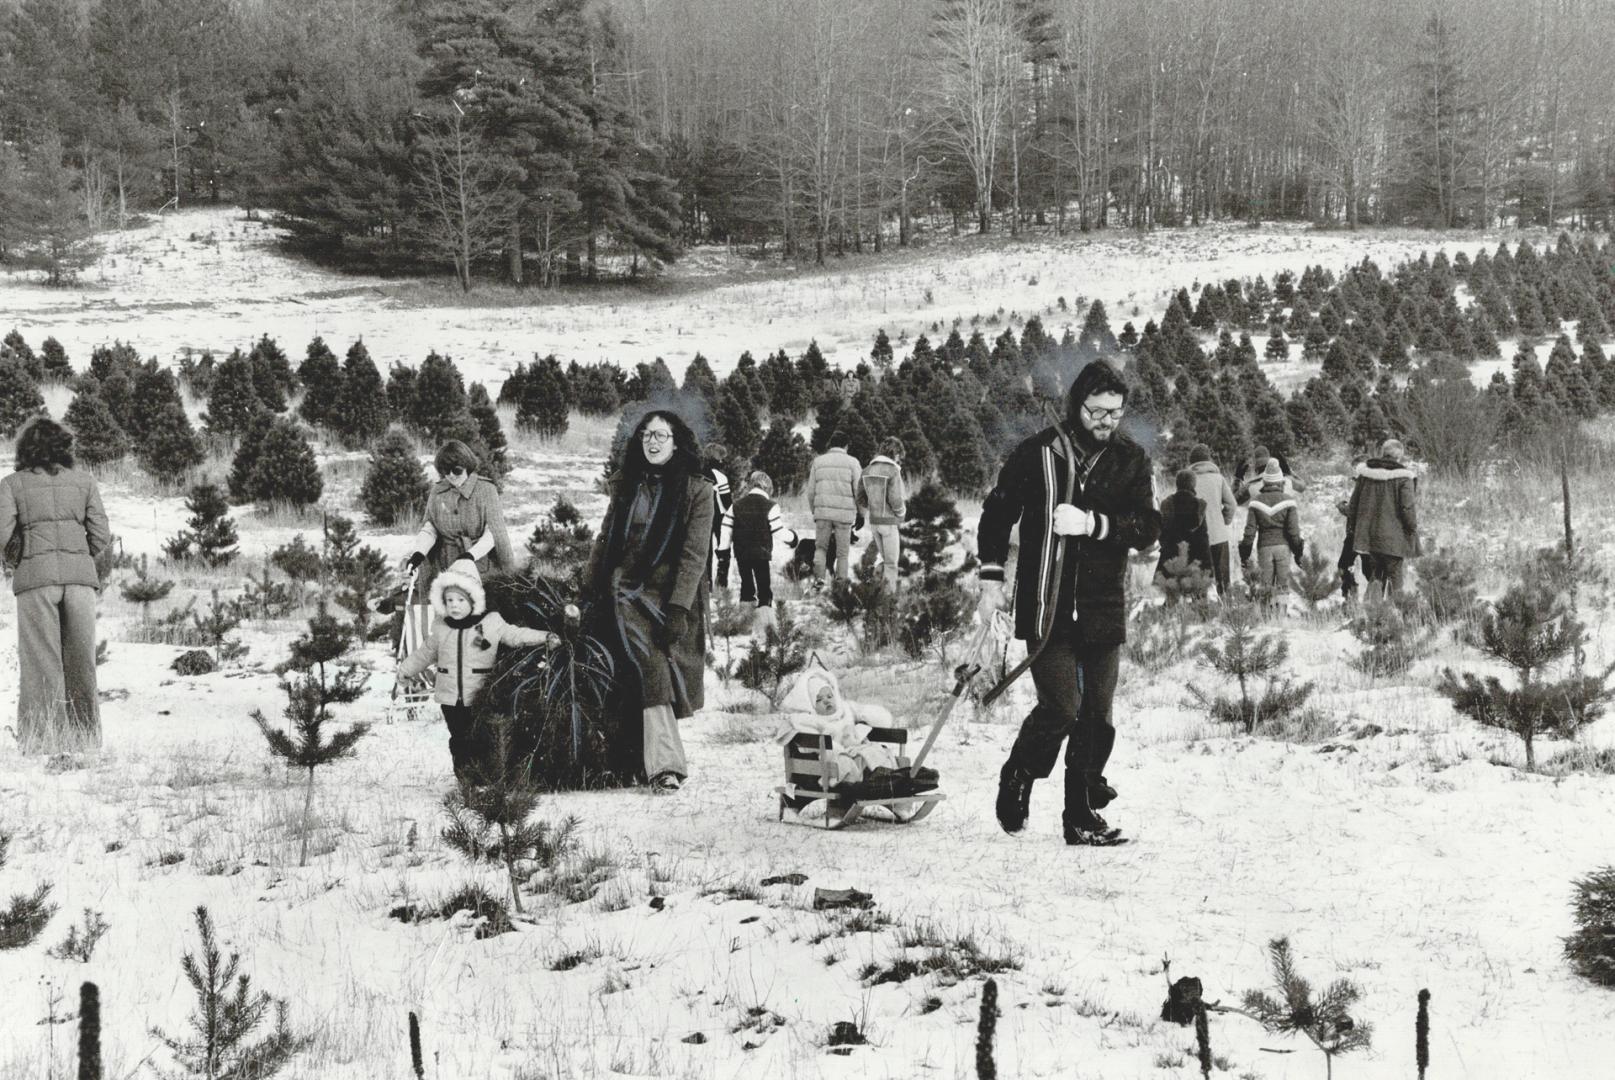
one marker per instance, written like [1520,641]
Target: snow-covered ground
[1402,849]
[211,279]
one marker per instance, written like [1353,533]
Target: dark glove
[676,626]
[415,560]
[1244,554]
[723,570]
[1297,551]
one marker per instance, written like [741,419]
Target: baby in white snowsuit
[814,705]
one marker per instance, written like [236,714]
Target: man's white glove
[1070,521]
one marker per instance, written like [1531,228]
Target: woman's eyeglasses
[1097,415]
[657,437]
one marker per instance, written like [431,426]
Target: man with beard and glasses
[1073,619]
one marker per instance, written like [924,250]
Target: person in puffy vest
[1273,526]
[1183,527]
[832,491]
[462,648]
[749,529]
[1382,520]
[883,498]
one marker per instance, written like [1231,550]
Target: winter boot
[1100,793]
[1083,827]
[1014,798]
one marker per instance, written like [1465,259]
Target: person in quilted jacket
[55,530]
[462,648]
[465,524]
[832,491]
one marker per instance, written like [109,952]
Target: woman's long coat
[677,576]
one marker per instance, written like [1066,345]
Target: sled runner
[908,792]
[411,699]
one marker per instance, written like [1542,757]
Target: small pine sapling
[214,628]
[560,544]
[1245,656]
[265,598]
[210,536]
[80,942]
[1529,629]
[1322,1018]
[1591,949]
[339,544]
[364,577]
[1447,586]
[1158,638]
[782,653]
[90,1067]
[298,561]
[24,918]
[1317,578]
[1391,640]
[1185,582]
[319,683]
[491,817]
[227,1013]
[145,590]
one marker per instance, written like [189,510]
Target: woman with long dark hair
[649,568]
[54,529]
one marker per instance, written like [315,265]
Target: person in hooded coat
[1382,520]
[1214,490]
[55,533]
[1184,526]
[647,574]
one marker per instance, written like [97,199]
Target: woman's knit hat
[1273,471]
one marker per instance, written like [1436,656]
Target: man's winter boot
[1082,826]
[1014,798]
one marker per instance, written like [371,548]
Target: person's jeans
[1273,568]
[1076,684]
[822,533]
[754,582]
[887,542]
[1219,567]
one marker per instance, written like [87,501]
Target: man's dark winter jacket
[1116,485]
[1183,522]
[1381,518]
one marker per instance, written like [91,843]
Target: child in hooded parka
[462,647]
[1273,526]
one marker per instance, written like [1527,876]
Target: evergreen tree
[232,398]
[1325,404]
[54,363]
[401,392]
[1369,427]
[167,446]
[919,458]
[97,438]
[922,354]
[650,382]
[1246,656]
[15,348]
[1096,338]
[1394,353]
[546,402]
[1129,337]
[245,463]
[860,437]
[482,410]
[395,485]
[881,354]
[700,382]
[515,385]
[787,397]
[1036,344]
[284,470]
[595,389]
[736,419]
[931,528]
[366,409]
[1315,342]
[827,419]
[439,397]
[784,456]
[961,453]
[319,683]
[1270,424]
[271,374]
[321,376]
[145,590]
[210,535]
[20,400]
[812,367]
[1278,346]
[561,543]
[1218,422]
[746,368]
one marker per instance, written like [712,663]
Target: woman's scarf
[664,533]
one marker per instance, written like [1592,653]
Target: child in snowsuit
[462,647]
[749,528]
[1273,525]
[1184,532]
[814,704]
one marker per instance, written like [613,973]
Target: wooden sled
[412,699]
[806,769]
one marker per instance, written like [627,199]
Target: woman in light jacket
[55,529]
[464,521]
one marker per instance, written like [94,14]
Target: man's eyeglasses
[1097,415]
[657,437]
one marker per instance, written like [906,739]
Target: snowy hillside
[1395,843]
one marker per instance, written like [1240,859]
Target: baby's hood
[806,687]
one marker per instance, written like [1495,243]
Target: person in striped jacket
[716,457]
[749,528]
